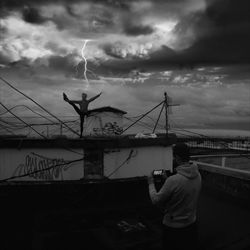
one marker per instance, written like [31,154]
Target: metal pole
[158,118]
[166,111]
[61,129]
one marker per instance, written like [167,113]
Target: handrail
[218,155]
[234,172]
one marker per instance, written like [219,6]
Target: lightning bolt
[85,61]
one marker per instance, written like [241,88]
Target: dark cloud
[22,68]
[56,48]
[96,19]
[43,67]
[111,68]
[108,48]
[222,33]
[4,59]
[32,15]
[237,125]
[14,4]
[240,73]
[242,112]
[221,36]
[119,4]
[219,49]
[3,11]
[62,63]
[120,64]
[90,73]
[228,12]
[132,29]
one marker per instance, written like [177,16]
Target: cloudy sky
[196,50]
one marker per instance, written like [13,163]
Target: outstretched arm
[93,98]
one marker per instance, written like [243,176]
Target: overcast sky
[196,50]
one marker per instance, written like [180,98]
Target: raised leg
[78,111]
[65,98]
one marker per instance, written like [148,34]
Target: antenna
[170,101]
[168,104]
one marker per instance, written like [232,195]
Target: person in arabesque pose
[83,107]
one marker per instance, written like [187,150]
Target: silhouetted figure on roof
[83,107]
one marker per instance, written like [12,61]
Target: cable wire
[28,109]
[142,124]
[126,161]
[23,121]
[38,105]
[143,116]
[7,129]
[158,118]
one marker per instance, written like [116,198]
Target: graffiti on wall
[34,162]
[108,129]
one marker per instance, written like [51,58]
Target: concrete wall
[137,161]
[18,162]
[132,162]
[234,182]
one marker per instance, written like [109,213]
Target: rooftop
[77,214]
[107,109]
[121,141]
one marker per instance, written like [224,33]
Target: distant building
[105,121]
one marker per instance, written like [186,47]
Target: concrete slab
[223,221]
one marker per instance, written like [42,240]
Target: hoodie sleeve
[163,194]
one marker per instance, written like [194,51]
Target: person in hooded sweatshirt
[178,198]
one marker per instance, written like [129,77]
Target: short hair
[182,150]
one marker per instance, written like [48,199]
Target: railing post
[223,161]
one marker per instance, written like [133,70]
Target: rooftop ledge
[226,171]
[89,142]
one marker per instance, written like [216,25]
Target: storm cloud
[133,29]
[32,15]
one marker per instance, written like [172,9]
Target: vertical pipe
[223,162]
[60,128]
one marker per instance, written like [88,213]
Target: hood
[189,170]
